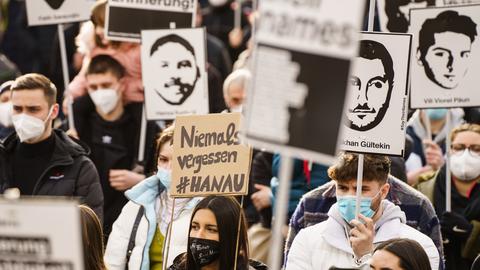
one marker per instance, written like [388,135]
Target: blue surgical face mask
[346,206]
[436,114]
[165,177]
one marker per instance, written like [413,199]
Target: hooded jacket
[69,172]
[326,244]
[417,132]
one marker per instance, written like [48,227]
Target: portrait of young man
[372,83]
[445,48]
[178,71]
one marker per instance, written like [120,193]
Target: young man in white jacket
[342,240]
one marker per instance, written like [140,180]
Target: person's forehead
[467,137]
[101,77]
[172,50]
[451,39]
[369,68]
[205,215]
[383,258]
[35,97]
[166,148]
[353,183]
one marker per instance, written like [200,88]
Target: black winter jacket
[69,173]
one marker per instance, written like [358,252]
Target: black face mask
[204,251]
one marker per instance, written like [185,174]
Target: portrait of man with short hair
[371,86]
[444,48]
[178,72]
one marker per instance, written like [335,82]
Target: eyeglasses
[459,148]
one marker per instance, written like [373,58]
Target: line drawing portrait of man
[55,4]
[397,12]
[371,86]
[444,47]
[178,72]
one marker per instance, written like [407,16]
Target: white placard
[394,15]
[146,15]
[460,2]
[40,234]
[43,12]
[377,103]
[445,56]
[301,63]
[173,72]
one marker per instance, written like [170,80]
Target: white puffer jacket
[326,244]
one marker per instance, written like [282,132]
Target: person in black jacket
[111,129]
[39,160]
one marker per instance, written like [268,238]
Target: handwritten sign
[208,156]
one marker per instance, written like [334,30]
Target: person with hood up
[427,153]
[344,241]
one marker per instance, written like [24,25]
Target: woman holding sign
[213,244]
[152,228]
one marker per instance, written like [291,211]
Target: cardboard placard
[125,19]
[174,72]
[40,234]
[302,60]
[445,56]
[208,157]
[44,12]
[377,103]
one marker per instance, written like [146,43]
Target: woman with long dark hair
[400,254]
[212,242]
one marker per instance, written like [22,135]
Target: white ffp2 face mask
[217,3]
[6,114]
[464,166]
[29,127]
[105,99]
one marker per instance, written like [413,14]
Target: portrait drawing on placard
[55,4]
[178,71]
[445,47]
[371,85]
[397,13]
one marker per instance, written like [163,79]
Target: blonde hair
[464,127]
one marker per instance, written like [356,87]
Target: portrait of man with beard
[174,57]
[371,86]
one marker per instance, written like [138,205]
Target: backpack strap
[133,234]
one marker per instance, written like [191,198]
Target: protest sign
[40,234]
[445,56]
[125,19]
[394,15]
[208,157]
[302,59]
[460,2]
[43,12]
[174,72]
[377,102]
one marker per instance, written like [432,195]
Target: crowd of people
[130,221]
